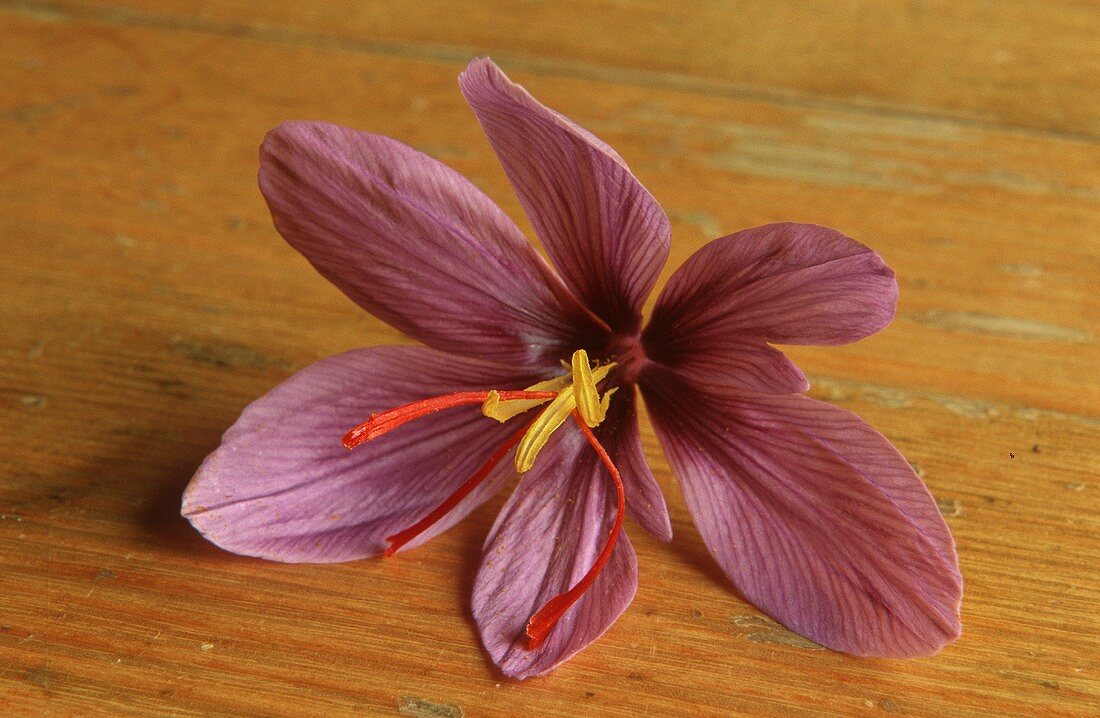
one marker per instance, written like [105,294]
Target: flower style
[812,514]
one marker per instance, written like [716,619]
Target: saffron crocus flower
[533,367]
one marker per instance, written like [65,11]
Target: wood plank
[930,196]
[1013,62]
[154,301]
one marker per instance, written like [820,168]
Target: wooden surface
[147,299]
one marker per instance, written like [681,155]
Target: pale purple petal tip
[603,230]
[546,538]
[281,486]
[814,517]
[417,245]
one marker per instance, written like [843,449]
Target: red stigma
[544,620]
[401,538]
[386,421]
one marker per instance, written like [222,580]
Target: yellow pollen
[576,390]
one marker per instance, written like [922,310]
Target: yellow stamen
[584,386]
[584,380]
[502,411]
[606,401]
[548,422]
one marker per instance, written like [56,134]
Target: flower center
[629,355]
[573,394]
[576,391]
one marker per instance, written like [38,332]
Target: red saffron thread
[386,421]
[544,620]
[403,537]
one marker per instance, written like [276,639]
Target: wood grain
[147,300]
[1034,65]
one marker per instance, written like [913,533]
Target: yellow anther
[575,390]
[548,422]
[606,401]
[584,379]
[584,386]
[502,411]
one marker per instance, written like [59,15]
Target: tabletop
[147,299]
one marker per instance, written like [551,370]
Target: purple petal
[734,362]
[813,515]
[645,503]
[282,486]
[603,230]
[546,538]
[417,245]
[786,283]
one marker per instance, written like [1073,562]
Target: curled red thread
[544,620]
